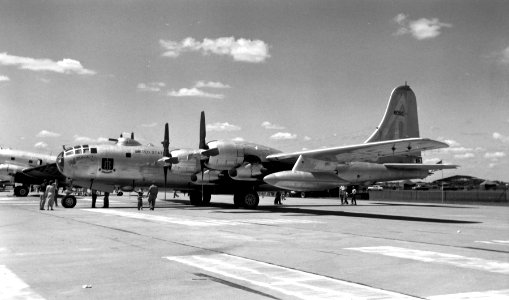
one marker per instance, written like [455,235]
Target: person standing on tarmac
[50,194]
[354,195]
[152,195]
[106,200]
[42,190]
[140,199]
[94,198]
[277,199]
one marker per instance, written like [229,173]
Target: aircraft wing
[367,152]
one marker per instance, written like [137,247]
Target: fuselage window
[128,155]
[39,162]
[13,158]
[107,164]
[93,150]
[30,161]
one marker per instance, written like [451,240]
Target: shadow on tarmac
[299,211]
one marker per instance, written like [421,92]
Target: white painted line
[290,282]
[495,242]
[12,287]
[197,222]
[441,258]
[499,295]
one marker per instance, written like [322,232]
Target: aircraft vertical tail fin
[400,120]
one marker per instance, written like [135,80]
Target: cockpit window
[69,153]
[93,150]
[85,150]
[77,151]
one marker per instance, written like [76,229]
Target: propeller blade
[166,141]
[210,152]
[203,132]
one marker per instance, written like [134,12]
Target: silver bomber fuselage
[103,167]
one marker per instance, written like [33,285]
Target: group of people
[343,195]
[48,195]
[279,197]
[152,196]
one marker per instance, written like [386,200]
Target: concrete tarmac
[304,249]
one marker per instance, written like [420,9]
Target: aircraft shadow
[300,211]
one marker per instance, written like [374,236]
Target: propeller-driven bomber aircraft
[392,152]
[26,168]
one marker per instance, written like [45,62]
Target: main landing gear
[248,200]
[196,199]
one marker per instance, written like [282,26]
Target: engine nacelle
[246,172]
[7,172]
[209,177]
[304,181]
[230,155]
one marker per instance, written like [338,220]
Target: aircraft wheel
[69,201]
[250,200]
[206,198]
[237,200]
[195,198]
[21,191]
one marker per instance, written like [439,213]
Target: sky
[291,75]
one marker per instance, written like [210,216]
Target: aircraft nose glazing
[60,162]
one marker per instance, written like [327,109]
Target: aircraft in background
[226,167]
[26,168]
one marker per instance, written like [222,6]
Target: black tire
[206,198]
[237,200]
[250,200]
[195,198]
[69,201]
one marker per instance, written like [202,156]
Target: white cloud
[420,29]
[452,143]
[244,50]
[194,92]
[456,149]
[211,84]
[283,136]
[268,125]
[41,145]
[500,137]
[4,78]
[150,87]
[307,138]
[504,56]
[65,66]
[87,140]
[222,127]
[494,155]
[238,139]
[464,155]
[150,125]
[45,133]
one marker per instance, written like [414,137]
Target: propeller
[166,153]
[203,146]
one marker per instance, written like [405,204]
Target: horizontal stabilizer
[420,166]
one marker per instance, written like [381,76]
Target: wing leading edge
[368,152]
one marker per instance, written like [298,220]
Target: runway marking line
[290,282]
[12,287]
[441,258]
[205,222]
[494,242]
[499,295]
